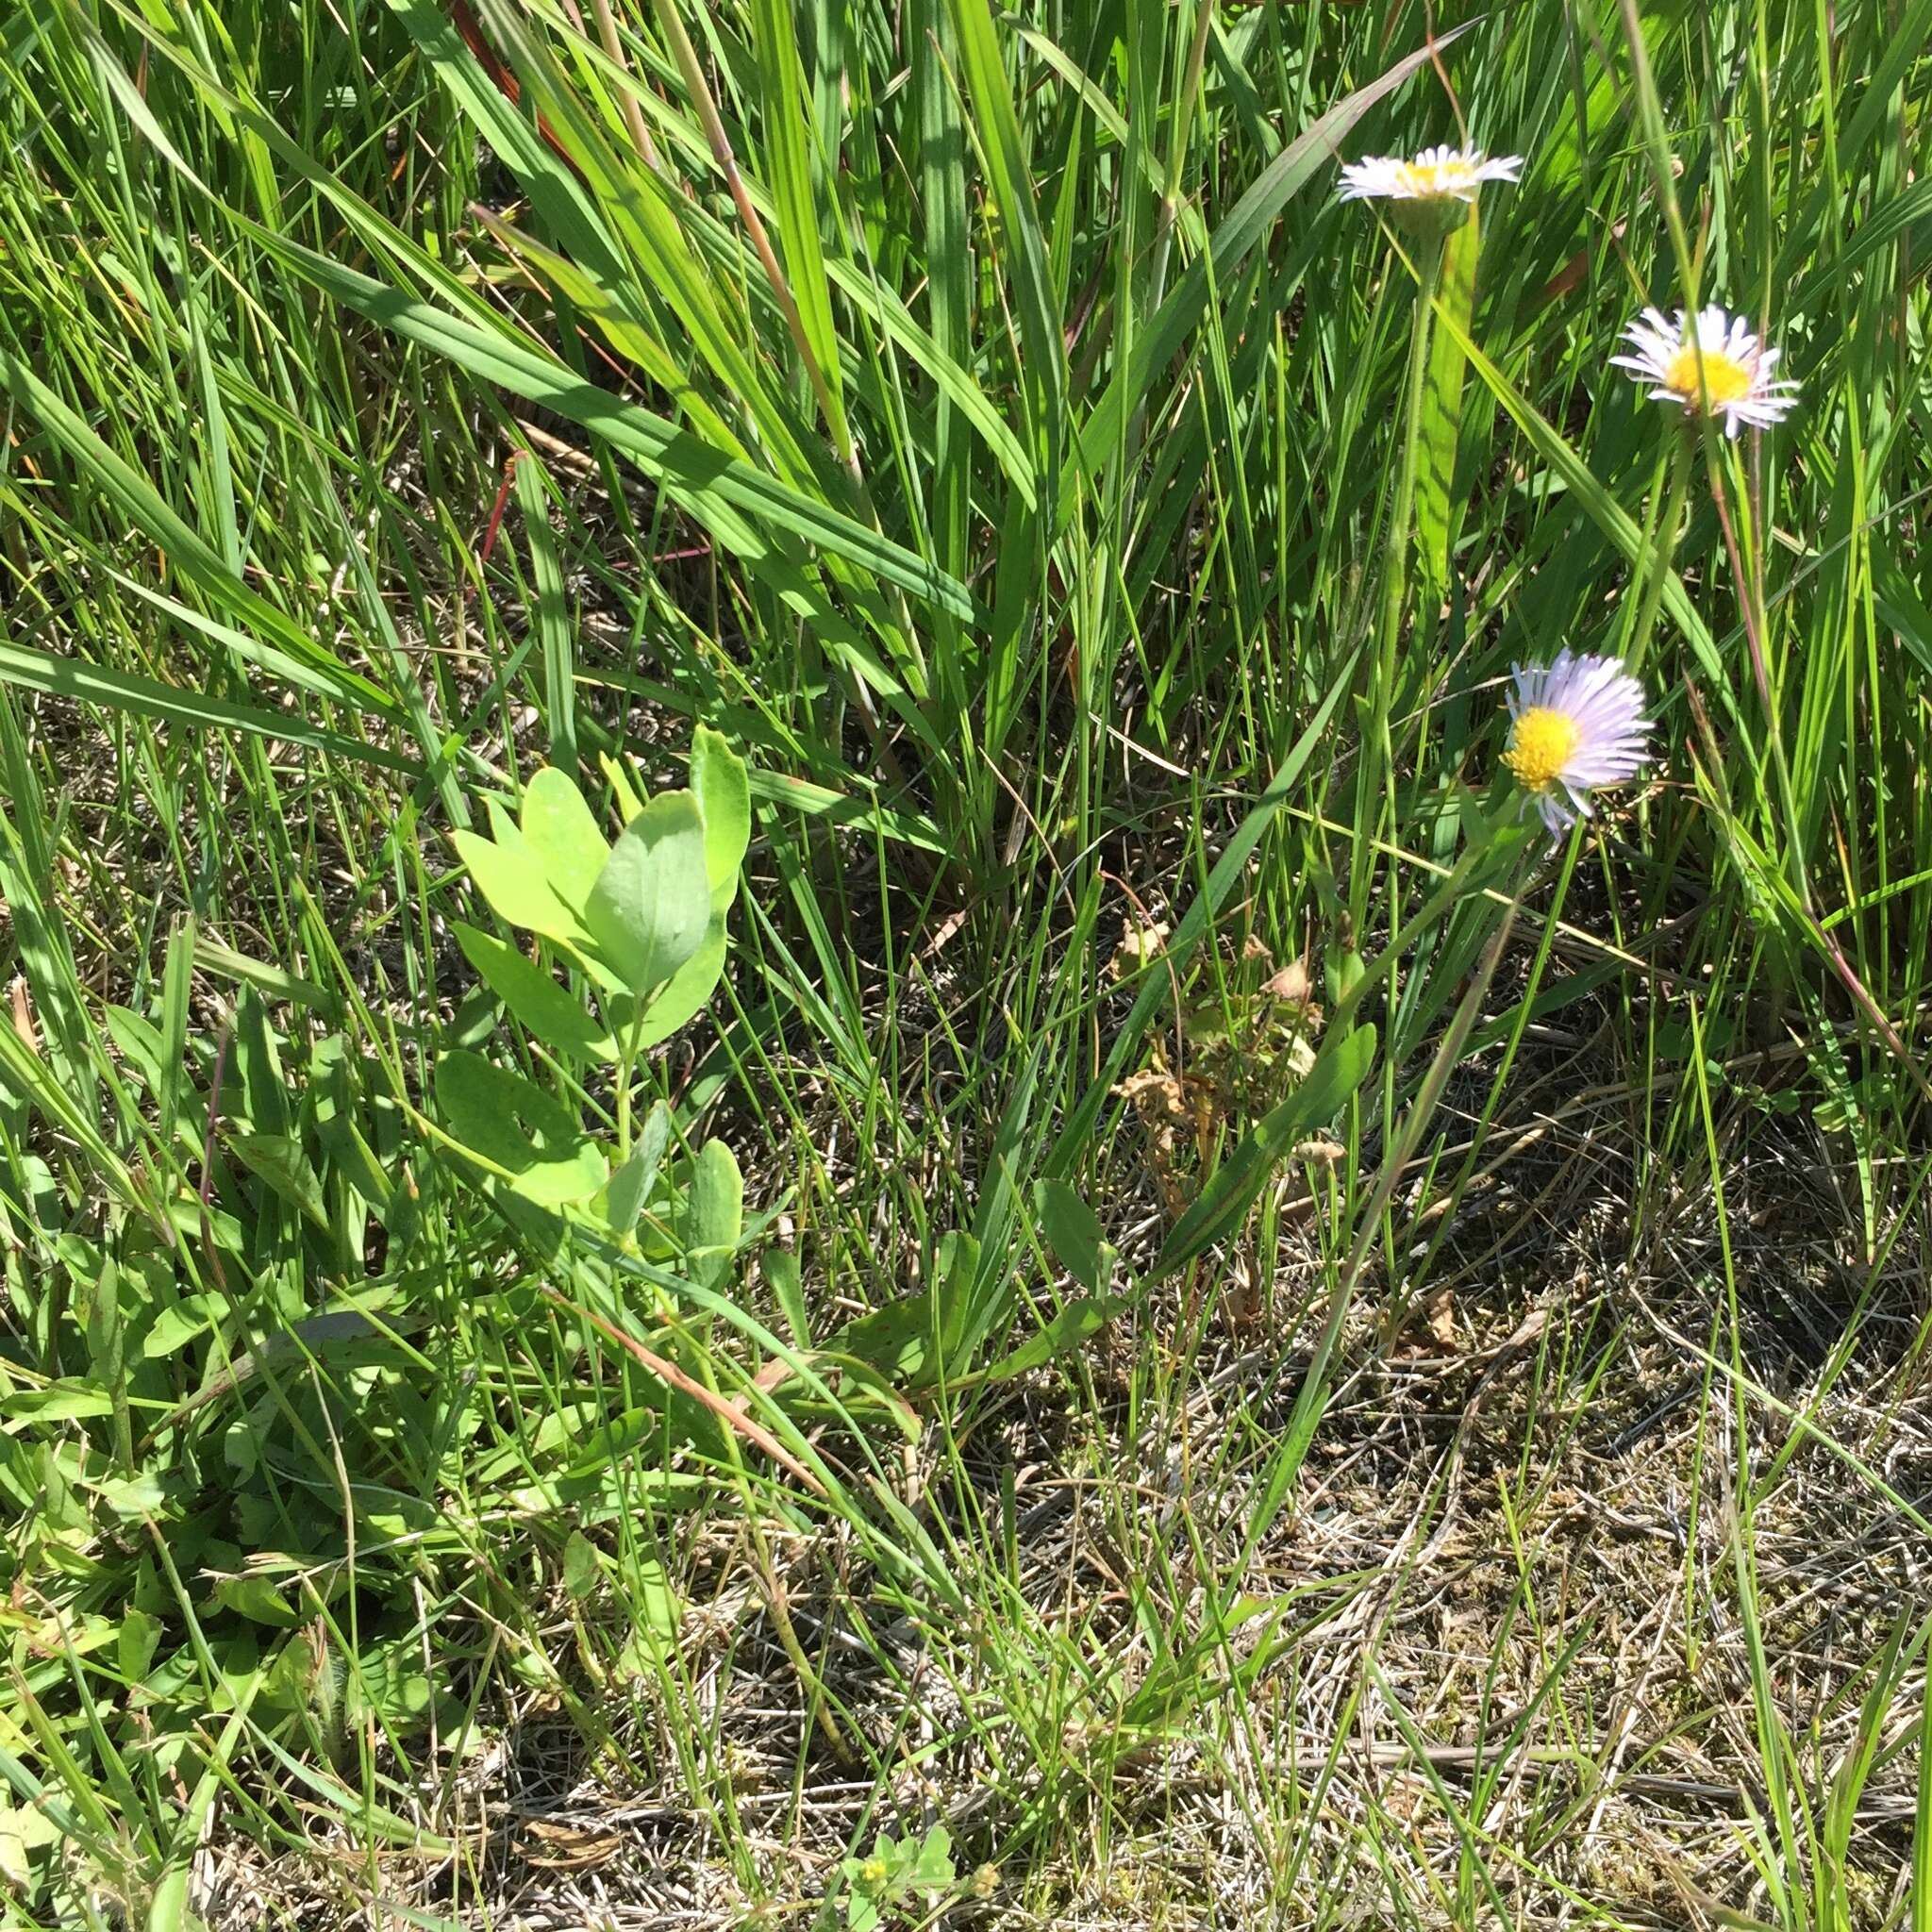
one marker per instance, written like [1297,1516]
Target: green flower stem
[1751,610]
[1663,553]
[1176,160]
[1375,784]
[626,1066]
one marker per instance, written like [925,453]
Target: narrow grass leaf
[1246,222]
[1074,1140]
[1340,1069]
[788,162]
[1043,376]
[712,487]
[550,618]
[138,499]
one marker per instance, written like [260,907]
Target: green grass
[1443,1443]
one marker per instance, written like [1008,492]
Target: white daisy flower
[1721,362]
[1575,726]
[1438,174]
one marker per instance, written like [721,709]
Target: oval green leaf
[563,833]
[551,1014]
[651,906]
[534,1142]
[722,792]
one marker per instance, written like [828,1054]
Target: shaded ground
[1508,1649]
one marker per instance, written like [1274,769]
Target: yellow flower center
[1725,379]
[1435,178]
[1542,743]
